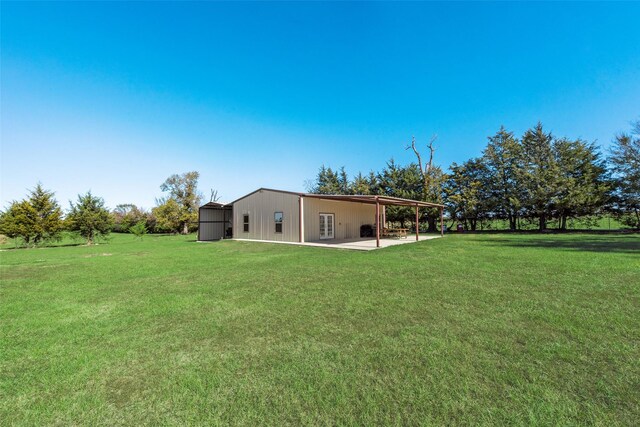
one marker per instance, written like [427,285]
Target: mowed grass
[469,329]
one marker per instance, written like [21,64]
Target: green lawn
[469,329]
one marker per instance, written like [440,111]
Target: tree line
[532,179]
[39,218]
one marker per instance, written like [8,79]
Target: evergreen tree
[581,185]
[139,229]
[35,220]
[374,185]
[389,179]
[48,215]
[539,174]
[404,182]
[503,159]
[328,182]
[362,185]
[389,184]
[315,186]
[89,217]
[343,182]
[466,192]
[625,161]
[18,221]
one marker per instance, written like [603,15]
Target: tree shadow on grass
[164,235]
[621,244]
[46,246]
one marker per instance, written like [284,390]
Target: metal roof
[358,198]
[373,199]
[215,205]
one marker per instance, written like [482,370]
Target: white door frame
[325,220]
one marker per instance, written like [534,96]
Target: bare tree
[426,167]
[214,196]
[432,179]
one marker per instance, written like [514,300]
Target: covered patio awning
[384,201]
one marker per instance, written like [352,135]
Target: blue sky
[115,97]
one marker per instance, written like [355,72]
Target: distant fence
[606,223]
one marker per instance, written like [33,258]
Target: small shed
[214,221]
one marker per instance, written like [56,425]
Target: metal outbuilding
[286,216]
[214,221]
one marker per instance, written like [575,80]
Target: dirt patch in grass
[95,255]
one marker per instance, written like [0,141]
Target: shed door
[326,226]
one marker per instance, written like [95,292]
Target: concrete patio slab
[359,244]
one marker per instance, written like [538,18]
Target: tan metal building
[214,221]
[277,215]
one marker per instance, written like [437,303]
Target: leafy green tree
[152,222]
[168,216]
[35,220]
[503,160]
[581,185]
[539,174]
[183,189]
[139,229]
[89,217]
[125,216]
[625,162]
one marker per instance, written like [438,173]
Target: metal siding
[207,214]
[349,216]
[261,207]
[212,231]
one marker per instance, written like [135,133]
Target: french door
[327,222]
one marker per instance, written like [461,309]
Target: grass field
[469,329]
